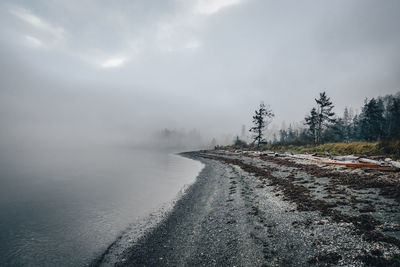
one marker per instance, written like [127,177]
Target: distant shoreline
[232,217]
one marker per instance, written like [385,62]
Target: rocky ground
[247,211]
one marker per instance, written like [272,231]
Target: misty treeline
[379,119]
[177,139]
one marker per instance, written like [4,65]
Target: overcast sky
[121,68]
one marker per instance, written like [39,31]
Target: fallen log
[352,164]
[363,165]
[332,162]
[364,160]
[345,158]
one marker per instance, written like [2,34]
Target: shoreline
[247,211]
[140,227]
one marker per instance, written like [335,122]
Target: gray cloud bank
[82,72]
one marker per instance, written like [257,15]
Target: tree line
[379,119]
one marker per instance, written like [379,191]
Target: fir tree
[283,135]
[312,121]
[261,119]
[372,120]
[394,119]
[325,115]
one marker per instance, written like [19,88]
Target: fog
[94,92]
[83,73]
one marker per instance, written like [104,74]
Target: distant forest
[379,119]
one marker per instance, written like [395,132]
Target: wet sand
[244,211]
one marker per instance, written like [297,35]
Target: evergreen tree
[394,118]
[382,134]
[372,120]
[291,134]
[239,142]
[261,119]
[336,131]
[347,121]
[283,135]
[312,121]
[355,133]
[325,115]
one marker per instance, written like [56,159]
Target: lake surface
[65,208]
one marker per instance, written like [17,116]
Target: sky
[120,70]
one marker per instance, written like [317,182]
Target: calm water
[64,209]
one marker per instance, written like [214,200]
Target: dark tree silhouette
[239,142]
[261,119]
[379,120]
[325,115]
[283,135]
[312,122]
[372,120]
[394,119]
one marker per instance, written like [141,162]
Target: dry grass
[379,148]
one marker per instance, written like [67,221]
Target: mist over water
[96,95]
[66,207]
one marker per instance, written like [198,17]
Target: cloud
[207,61]
[37,22]
[176,31]
[209,7]
[33,41]
[182,30]
[113,62]
[193,44]
[176,34]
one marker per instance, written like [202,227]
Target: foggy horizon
[199,133]
[120,71]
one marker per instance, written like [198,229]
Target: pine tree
[372,120]
[394,119]
[291,134]
[336,132]
[260,121]
[356,128]
[347,121]
[325,114]
[239,142]
[312,121]
[283,135]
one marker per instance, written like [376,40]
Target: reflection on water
[66,208]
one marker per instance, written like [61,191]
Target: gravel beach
[237,216]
